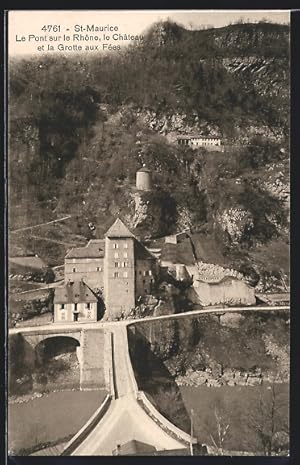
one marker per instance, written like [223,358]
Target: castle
[118,267]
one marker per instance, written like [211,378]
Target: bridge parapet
[149,408]
[163,422]
[108,363]
[35,337]
[87,427]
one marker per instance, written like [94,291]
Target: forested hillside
[80,128]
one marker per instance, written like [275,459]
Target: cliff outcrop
[79,132]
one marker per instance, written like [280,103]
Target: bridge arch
[54,345]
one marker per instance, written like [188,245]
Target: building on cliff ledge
[195,141]
[119,266]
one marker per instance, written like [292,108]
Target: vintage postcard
[148,232]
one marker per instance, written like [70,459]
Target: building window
[99,268]
[150,273]
[115,246]
[74,269]
[75,306]
[88,305]
[125,255]
[124,264]
[116,255]
[116,274]
[125,274]
[144,273]
[63,317]
[116,264]
[62,306]
[89,315]
[144,281]
[125,245]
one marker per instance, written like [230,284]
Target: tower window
[74,269]
[125,255]
[125,274]
[62,306]
[125,245]
[115,246]
[116,255]
[88,305]
[116,274]
[99,268]
[116,264]
[75,306]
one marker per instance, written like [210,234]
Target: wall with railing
[149,408]
[87,427]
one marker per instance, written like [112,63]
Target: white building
[210,143]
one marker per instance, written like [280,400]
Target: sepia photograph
[148,174]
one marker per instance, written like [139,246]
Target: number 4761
[51,28]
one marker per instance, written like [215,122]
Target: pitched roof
[144,169]
[74,292]
[33,262]
[142,253]
[135,447]
[118,229]
[94,249]
[197,136]
[178,253]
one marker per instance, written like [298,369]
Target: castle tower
[119,270]
[144,179]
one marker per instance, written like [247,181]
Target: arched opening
[56,363]
[55,346]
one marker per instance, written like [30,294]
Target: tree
[218,427]
[267,427]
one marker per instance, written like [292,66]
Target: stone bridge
[126,414]
[92,347]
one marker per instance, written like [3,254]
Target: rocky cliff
[213,350]
[79,131]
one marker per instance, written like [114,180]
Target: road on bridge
[125,419]
[101,324]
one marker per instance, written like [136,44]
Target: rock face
[231,349]
[236,222]
[212,272]
[232,320]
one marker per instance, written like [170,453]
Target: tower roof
[118,229]
[144,169]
